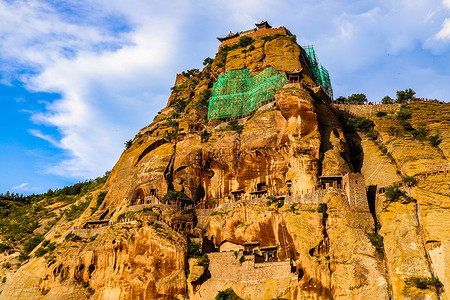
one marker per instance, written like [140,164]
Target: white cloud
[20,186]
[48,138]
[105,79]
[446,3]
[444,33]
[25,187]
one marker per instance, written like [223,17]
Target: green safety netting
[237,93]
[325,81]
[319,73]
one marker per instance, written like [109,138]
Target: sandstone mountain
[286,197]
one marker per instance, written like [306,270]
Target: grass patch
[233,125]
[219,213]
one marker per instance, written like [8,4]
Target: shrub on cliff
[203,261]
[377,241]
[361,124]
[245,41]
[173,195]
[204,98]
[422,282]
[128,144]
[234,125]
[392,131]
[435,140]
[228,294]
[410,180]
[420,133]
[193,249]
[270,37]
[180,104]
[4,247]
[76,210]
[204,136]
[29,246]
[403,113]
[190,73]
[208,61]
[100,197]
[393,193]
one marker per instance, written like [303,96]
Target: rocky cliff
[289,202]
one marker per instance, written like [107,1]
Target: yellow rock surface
[433,202]
[377,168]
[406,256]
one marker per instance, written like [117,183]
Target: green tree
[403,113]
[204,98]
[405,96]
[387,100]
[245,41]
[127,145]
[341,99]
[180,104]
[357,98]
[208,61]
[190,73]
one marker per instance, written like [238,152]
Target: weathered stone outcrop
[144,262]
[281,53]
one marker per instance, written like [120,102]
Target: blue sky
[79,78]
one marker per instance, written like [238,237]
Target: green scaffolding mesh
[237,93]
[313,65]
[325,81]
[319,73]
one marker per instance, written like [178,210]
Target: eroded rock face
[281,53]
[277,145]
[405,253]
[331,254]
[138,263]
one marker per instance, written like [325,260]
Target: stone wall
[311,198]
[350,110]
[257,34]
[226,266]
[355,188]
[87,233]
